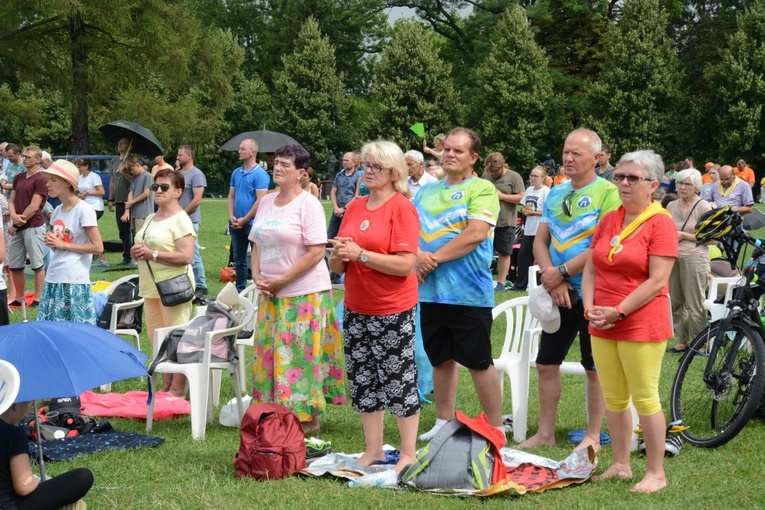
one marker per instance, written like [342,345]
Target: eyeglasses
[631,179]
[25,156]
[567,203]
[532,176]
[164,187]
[683,184]
[375,168]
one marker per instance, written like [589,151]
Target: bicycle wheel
[718,408]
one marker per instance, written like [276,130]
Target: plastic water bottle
[387,478]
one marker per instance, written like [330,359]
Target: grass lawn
[187,474]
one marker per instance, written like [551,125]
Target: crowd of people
[404,231]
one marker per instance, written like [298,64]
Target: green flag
[419,129]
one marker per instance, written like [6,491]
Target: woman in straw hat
[73,239]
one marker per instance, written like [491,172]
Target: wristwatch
[363,256]
[563,271]
[155,255]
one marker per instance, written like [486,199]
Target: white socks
[427,436]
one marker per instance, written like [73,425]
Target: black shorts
[459,333]
[504,237]
[553,347]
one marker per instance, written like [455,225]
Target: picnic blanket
[71,447]
[133,405]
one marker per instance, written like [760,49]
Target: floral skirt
[298,356]
[67,302]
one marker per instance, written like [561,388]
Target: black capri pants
[379,360]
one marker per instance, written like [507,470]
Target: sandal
[14,304]
[674,350]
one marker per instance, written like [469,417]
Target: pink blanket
[132,405]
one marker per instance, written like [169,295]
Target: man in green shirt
[119,187]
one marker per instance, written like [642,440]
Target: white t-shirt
[282,234]
[535,200]
[89,183]
[67,266]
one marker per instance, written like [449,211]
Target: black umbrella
[268,141]
[754,220]
[143,140]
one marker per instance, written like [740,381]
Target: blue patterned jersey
[444,212]
[571,235]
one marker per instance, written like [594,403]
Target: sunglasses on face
[631,179]
[164,187]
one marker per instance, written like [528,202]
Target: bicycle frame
[743,306]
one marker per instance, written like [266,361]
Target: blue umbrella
[62,359]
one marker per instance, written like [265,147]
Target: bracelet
[586,312]
[619,312]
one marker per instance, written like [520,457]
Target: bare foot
[536,440]
[311,427]
[589,441]
[650,483]
[620,472]
[403,461]
[370,458]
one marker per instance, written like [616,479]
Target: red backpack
[272,444]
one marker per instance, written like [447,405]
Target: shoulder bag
[173,291]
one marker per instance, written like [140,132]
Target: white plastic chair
[718,310]
[567,367]
[10,382]
[203,394]
[251,294]
[514,362]
[116,309]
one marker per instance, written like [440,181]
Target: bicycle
[720,379]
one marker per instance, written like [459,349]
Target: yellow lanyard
[651,211]
[725,192]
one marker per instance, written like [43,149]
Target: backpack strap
[161,355]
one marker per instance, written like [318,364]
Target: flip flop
[577,436]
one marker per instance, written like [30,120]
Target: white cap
[542,307]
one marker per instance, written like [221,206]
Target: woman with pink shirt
[298,354]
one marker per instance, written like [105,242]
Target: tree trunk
[80,89]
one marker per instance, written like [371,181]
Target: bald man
[343,191]
[730,190]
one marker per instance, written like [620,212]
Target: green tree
[412,84]
[309,93]
[739,84]
[148,60]
[572,32]
[633,104]
[519,114]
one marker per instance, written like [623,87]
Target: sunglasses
[567,203]
[164,187]
[631,179]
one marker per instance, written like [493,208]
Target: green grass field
[187,474]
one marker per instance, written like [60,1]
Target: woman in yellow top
[166,241]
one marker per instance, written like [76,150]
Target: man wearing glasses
[733,191]
[569,218]
[29,194]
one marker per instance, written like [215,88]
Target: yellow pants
[161,316]
[629,369]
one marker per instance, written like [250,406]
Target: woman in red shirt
[377,249]
[624,289]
